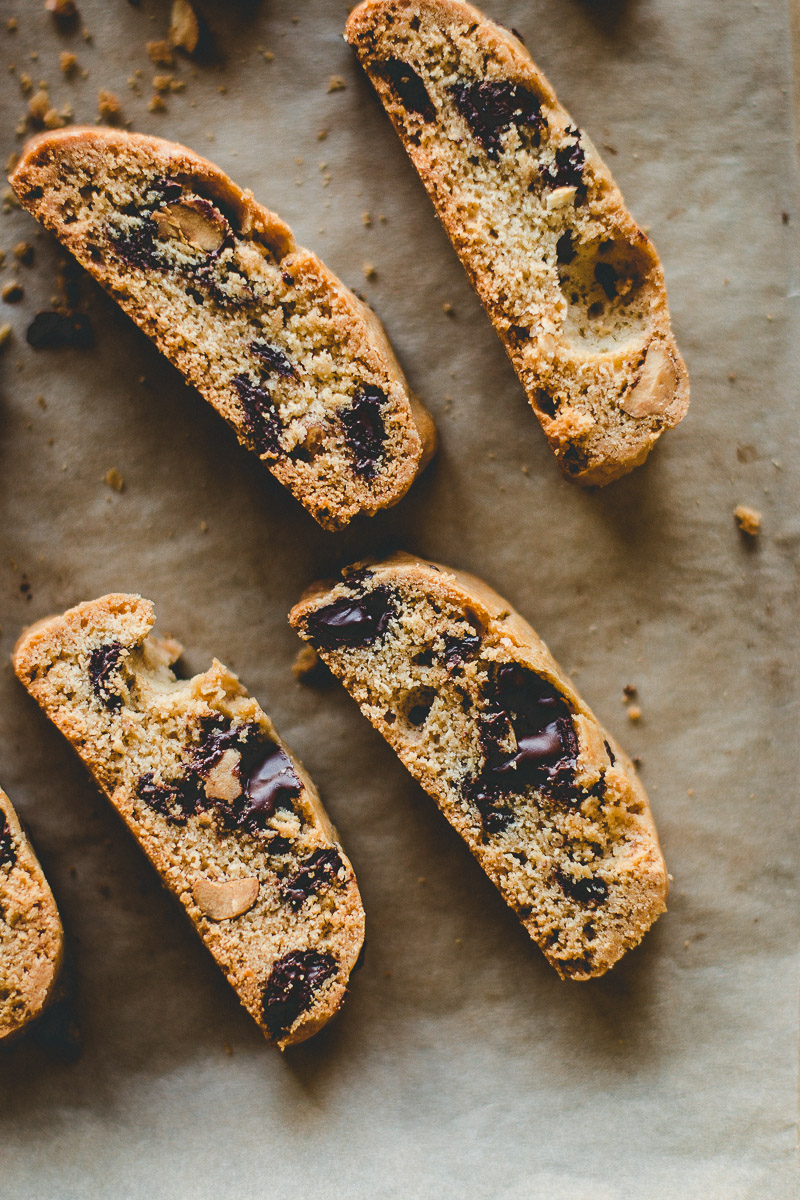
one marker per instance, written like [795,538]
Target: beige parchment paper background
[461,1066]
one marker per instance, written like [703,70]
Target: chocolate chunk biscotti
[225,812]
[477,710]
[572,285]
[31,937]
[298,365]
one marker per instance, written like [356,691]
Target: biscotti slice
[297,364]
[31,937]
[474,705]
[227,815]
[572,285]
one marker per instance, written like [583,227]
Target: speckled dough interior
[484,719]
[572,285]
[227,815]
[298,365]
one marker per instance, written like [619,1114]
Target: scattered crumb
[12,25]
[748,520]
[323,133]
[62,10]
[785,218]
[156,104]
[336,84]
[306,663]
[113,479]
[68,62]
[448,309]
[629,691]
[634,713]
[108,106]
[162,83]
[25,82]
[731,377]
[160,53]
[40,400]
[12,293]
[369,270]
[525,469]
[11,163]
[23,252]
[268,56]
[5,334]
[228,1048]
[184,29]
[366,219]
[204,526]
[39,105]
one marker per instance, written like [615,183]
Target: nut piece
[748,520]
[561,197]
[655,391]
[184,29]
[222,781]
[222,901]
[195,221]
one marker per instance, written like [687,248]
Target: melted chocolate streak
[291,986]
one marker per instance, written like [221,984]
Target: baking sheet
[461,1066]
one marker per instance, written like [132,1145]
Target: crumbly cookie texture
[31,937]
[225,812]
[292,359]
[481,715]
[572,285]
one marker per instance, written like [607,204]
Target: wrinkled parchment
[461,1066]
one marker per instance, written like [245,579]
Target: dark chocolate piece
[261,416]
[364,430]
[55,331]
[103,663]
[607,277]
[355,621]
[590,890]
[269,782]
[567,169]
[565,251]
[460,649]
[410,89]
[492,106]
[176,800]
[272,360]
[139,246]
[291,985]
[8,849]
[217,734]
[319,869]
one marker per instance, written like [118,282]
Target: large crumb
[748,520]
[109,107]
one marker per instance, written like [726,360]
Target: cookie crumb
[113,479]
[336,84]
[204,526]
[162,83]
[156,104]
[5,334]
[634,713]
[64,11]
[748,520]
[309,669]
[23,252]
[268,56]
[12,293]
[366,219]
[109,107]
[629,691]
[11,26]
[68,62]
[321,135]
[184,28]
[448,309]
[369,270]
[160,53]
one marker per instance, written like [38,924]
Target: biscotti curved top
[571,283]
[286,353]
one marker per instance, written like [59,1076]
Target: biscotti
[226,814]
[481,715]
[31,937]
[572,285]
[296,363]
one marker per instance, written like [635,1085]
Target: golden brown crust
[31,937]
[106,684]
[82,182]
[597,359]
[602,833]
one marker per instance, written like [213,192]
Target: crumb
[40,400]
[366,218]
[731,377]
[54,120]
[156,104]
[68,62]
[39,105]
[12,25]
[223,91]
[62,10]
[87,37]
[323,133]
[785,218]
[748,520]
[629,691]
[162,83]
[369,270]
[11,163]
[268,56]
[336,84]
[12,293]
[5,334]
[525,469]
[23,252]
[25,82]
[228,1048]
[113,479]
[634,713]
[448,309]
[204,526]
[160,53]
[309,669]
[108,106]
[184,29]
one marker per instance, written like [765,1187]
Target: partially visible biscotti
[481,715]
[31,937]
[572,285]
[289,356]
[225,812]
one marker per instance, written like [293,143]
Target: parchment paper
[460,1066]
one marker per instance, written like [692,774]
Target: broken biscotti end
[485,720]
[291,358]
[31,937]
[572,285]
[225,812]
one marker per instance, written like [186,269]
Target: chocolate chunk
[217,734]
[261,416]
[460,649]
[364,430]
[291,985]
[8,849]
[355,621]
[269,782]
[489,801]
[410,89]
[55,330]
[567,169]
[279,845]
[139,247]
[565,251]
[176,800]
[491,106]
[103,663]
[319,869]
[607,277]
[546,403]
[423,659]
[590,890]
[272,360]
[167,191]
[612,758]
